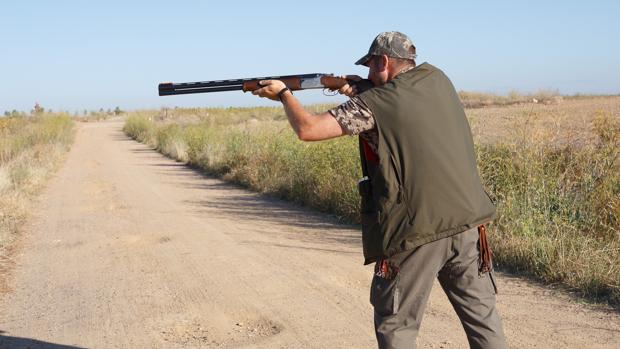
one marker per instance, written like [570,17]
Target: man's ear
[383,62]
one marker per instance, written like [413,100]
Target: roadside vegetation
[554,174]
[30,149]
[480,100]
[97,115]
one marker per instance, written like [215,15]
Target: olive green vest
[424,183]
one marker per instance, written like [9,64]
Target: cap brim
[363,60]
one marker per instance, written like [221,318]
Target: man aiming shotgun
[423,208]
[423,205]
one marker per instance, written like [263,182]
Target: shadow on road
[233,201]
[8,342]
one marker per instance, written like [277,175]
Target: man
[423,204]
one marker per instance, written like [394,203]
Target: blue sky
[75,55]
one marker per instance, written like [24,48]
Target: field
[30,149]
[551,167]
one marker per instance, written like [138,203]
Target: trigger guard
[330,94]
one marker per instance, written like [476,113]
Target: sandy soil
[128,249]
[570,121]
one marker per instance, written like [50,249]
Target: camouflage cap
[391,44]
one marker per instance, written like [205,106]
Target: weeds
[30,147]
[479,99]
[558,201]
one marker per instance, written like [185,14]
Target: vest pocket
[368,203]
[370,217]
[401,196]
[368,209]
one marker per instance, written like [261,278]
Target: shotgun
[294,82]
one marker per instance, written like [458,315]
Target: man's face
[377,70]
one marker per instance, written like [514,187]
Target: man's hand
[350,90]
[270,89]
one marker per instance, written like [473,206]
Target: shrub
[558,203]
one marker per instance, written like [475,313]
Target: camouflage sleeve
[354,116]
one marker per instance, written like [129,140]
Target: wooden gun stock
[334,83]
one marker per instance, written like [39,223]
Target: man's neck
[405,69]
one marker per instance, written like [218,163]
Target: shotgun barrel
[294,82]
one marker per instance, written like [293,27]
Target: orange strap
[485,263]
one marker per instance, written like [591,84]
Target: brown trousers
[400,291]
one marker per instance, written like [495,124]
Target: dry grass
[30,149]
[481,100]
[567,122]
[552,170]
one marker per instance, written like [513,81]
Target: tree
[38,109]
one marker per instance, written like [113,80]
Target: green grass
[558,213]
[558,203]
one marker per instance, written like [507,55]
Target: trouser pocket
[384,295]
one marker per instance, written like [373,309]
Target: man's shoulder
[354,107]
[354,116]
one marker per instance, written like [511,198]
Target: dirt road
[128,249]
